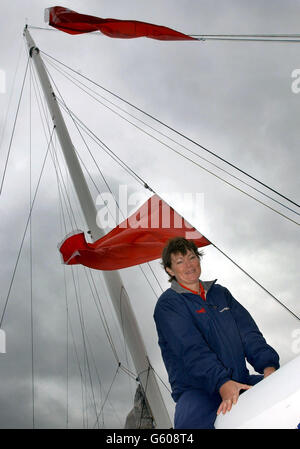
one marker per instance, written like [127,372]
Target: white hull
[274,403]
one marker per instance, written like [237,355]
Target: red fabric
[72,22]
[138,239]
[201,293]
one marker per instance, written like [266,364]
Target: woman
[205,335]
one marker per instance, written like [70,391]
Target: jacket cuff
[260,369]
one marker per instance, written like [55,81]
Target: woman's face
[186,268]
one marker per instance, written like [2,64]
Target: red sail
[138,239]
[72,22]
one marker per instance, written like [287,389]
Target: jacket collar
[179,289]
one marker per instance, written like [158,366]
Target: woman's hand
[269,370]
[229,392]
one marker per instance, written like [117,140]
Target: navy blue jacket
[204,343]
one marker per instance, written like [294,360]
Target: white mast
[113,280]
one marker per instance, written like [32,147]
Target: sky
[234,98]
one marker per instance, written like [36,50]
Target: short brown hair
[178,245]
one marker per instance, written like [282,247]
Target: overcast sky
[234,98]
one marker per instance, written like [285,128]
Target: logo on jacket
[225,308]
[201,310]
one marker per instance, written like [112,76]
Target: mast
[117,291]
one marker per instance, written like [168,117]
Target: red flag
[138,239]
[72,22]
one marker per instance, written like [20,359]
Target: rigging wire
[209,171]
[84,126]
[75,81]
[108,392]
[78,364]
[68,320]
[67,346]
[238,189]
[69,324]
[14,127]
[54,157]
[43,112]
[12,89]
[25,230]
[104,147]
[237,265]
[171,129]
[101,313]
[105,325]
[84,337]
[256,282]
[144,183]
[86,145]
[252,277]
[123,291]
[161,380]
[155,277]
[59,175]
[106,328]
[118,367]
[32,204]
[99,381]
[144,406]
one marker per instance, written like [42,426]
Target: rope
[102,316]
[67,347]
[105,148]
[252,198]
[119,366]
[144,393]
[86,145]
[133,173]
[12,89]
[108,392]
[105,325]
[85,336]
[70,112]
[256,282]
[64,190]
[14,127]
[171,129]
[72,78]
[83,331]
[104,322]
[25,231]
